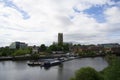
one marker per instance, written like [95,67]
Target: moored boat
[35,63]
[51,62]
[45,62]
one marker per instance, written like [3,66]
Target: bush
[21,52]
[34,56]
[112,72]
[87,74]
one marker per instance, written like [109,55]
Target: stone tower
[60,38]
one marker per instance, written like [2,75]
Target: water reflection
[19,70]
[60,72]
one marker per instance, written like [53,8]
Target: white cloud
[113,14]
[48,17]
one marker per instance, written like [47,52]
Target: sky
[39,21]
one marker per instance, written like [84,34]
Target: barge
[45,62]
[51,62]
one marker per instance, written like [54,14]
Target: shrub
[87,74]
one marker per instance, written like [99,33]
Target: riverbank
[28,57]
[112,72]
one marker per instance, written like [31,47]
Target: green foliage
[21,52]
[87,53]
[0,53]
[6,51]
[34,56]
[43,48]
[66,47]
[112,72]
[87,74]
[55,47]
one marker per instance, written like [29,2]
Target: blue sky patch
[96,12]
[115,0]
[9,3]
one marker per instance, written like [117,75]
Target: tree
[87,74]
[56,47]
[66,47]
[112,72]
[5,51]
[52,48]
[43,48]
[21,52]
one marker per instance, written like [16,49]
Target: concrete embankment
[41,57]
[91,56]
[27,57]
[5,58]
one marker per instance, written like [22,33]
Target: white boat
[35,63]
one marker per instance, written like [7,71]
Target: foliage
[87,74]
[21,52]
[34,56]
[87,53]
[55,47]
[112,72]
[6,51]
[66,47]
[43,48]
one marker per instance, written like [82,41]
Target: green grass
[112,72]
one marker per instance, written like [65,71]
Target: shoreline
[45,57]
[15,58]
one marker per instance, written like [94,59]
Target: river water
[19,70]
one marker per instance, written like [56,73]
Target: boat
[35,63]
[51,62]
[71,58]
[45,62]
[63,59]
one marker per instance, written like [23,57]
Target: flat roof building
[18,45]
[109,45]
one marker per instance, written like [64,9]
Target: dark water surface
[19,70]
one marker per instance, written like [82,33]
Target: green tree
[66,47]
[87,74]
[43,48]
[112,72]
[53,47]
[21,52]
[56,47]
[5,51]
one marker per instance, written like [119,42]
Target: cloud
[112,14]
[11,4]
[39,21]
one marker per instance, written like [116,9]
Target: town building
[18,45]
[115,50]
[109,45]
[35,49]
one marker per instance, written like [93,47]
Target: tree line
[112,72]
[6,51]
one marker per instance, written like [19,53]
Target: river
[19,70]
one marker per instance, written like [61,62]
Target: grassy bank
[112,72]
